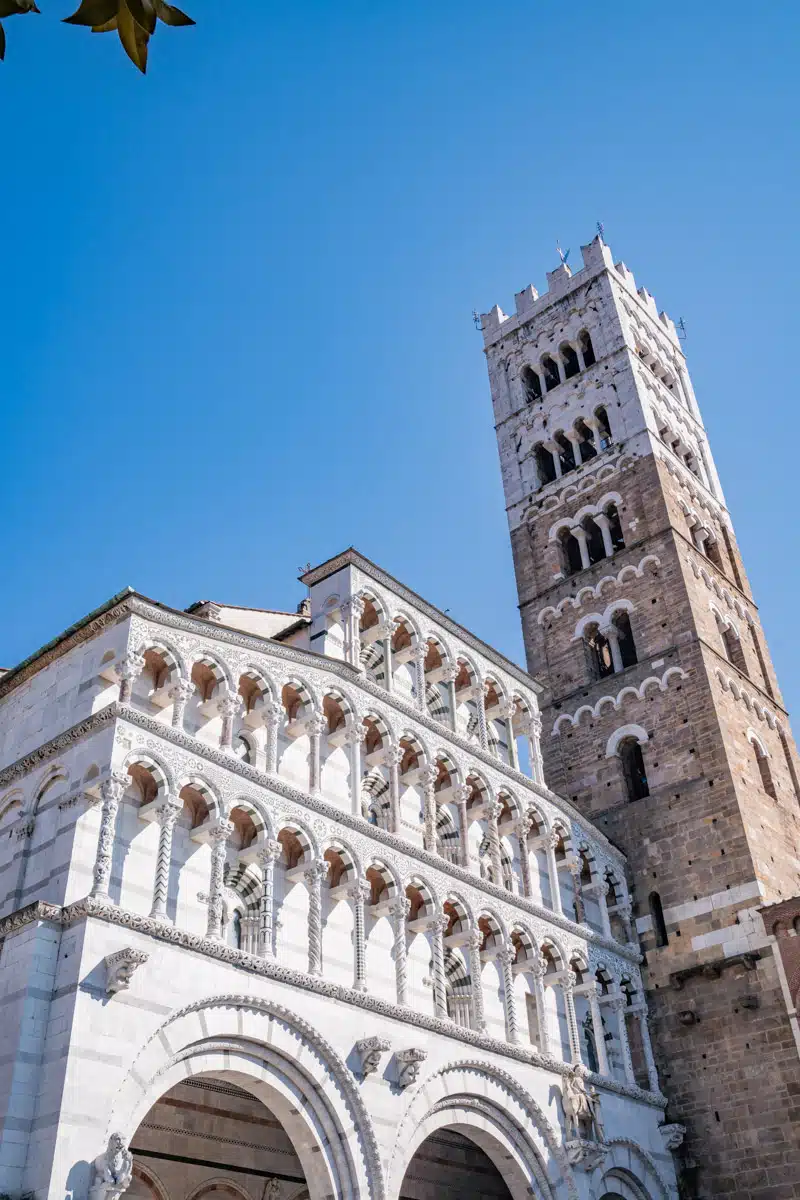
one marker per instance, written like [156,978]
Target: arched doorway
[451,1166]
[209,1139]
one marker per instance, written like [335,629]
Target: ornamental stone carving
[581,1107]
[409,1062]
[369,1051]
[672,1135]
[113,1170]
[120,967]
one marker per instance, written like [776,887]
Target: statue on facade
[581,1107]
[113,1170]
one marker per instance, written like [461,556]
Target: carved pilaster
[506,958]
[219,849]
[399,911]
[167,814]
[314,877]
[111,792]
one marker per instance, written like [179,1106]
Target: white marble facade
[304,867]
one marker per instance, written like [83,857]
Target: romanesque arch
[275,1056]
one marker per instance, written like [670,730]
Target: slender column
[480,704]
[611,634]
[230,706]
[568,986]
[219,848]
[577,891]
[418,659]
[522,829]
[625,914]
[392,757]
[575,442]
[314,877]
[604,525]
[360,893]
[429,777]
[352,612]
[167,813]
[583,544]
[461,794]
[535,750]
[317,729]
[538,969]
[128,670]
[597,1028]
[602,900]
[476,978]
[386,634]
[509,712]
[437,927]
[506,959]
[552,870]
[619,1005]
[179,693]
[647,1046]
[272,714]
[355,738]
[268,855]
[449,676]
[399,910]
[555,450]
[493,810]
[111,792]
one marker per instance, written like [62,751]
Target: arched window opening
[587,349]
[551,376]
[570,554]
[733,649]
[598,651]
[545,467]
[767,781]
[726,537]
[657,916]
[566,452]
[615,527]
[588,448]
[712,553]
[633,770]
[244,750]
[761,661]
[570,359]
[594,541]
[604,428]
[627,646]
[531,384]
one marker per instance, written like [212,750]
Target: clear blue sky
[237,328]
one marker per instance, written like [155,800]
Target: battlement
[597,257]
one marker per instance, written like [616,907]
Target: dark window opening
[633,771]
[587,349]
[604,427]
[732,558]
[615,525]
[551,376]
[588,448]
[566,452]
[712,553]
[570,359]
[657,915]
[598,650]
[594,542]
[532,385]
[571,554]
[733,650]
[627,647]
[545,466]
[761,662]
[764,771]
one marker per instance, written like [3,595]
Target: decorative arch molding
[635,693]
[604,618]
[491,1107]
[594,593]
[755,740]
[701,572]
[282,1060]
[147,1176]
[625,731]
[750,702]
[625,1158]
[171,654]
[219,1184]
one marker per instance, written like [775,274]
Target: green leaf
[133,37]
[143,14]
[171,15]
[93,12]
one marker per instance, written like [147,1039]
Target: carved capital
[354,607]
[120,967]
[672,1135]
[221,831]
[475,939]
[461,793]
[230,705]
[409,1062]
[356,735]
[393,756]
[317,725]
[129,667]
[315,874]
[400,907]
[115,786]
[168,811]
[586,1155]
[181,690]
[450,673]
[386,630]
[369,1051]
[430,774]
[270,852]
[360,890]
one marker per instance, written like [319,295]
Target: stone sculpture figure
[113,1170]
[581,1107]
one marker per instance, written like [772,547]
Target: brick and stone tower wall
[662,716]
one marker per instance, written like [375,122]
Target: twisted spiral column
[522,829]
[111,792]
[392,757]
[167,814]
[506,958]
[429,777]
[493,810]
[355,738]
[480,704]
[418,658]
[314,877]
[437,927]
[268,855]
[568,988]
[534,749]
[461,794]
[219,848]
[476,978]
[399,911]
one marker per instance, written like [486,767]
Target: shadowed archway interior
[450,1166]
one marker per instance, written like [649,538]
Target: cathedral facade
[342,903]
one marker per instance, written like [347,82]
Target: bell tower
[662,716]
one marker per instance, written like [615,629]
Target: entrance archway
[452,1166]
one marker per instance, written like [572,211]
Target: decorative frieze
[120,967]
